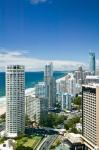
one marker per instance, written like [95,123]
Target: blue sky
[50,29]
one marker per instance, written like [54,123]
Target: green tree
[74,130]
[3,116]
[71,123]
[77,100]
[66,126]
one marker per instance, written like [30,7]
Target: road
[48,142]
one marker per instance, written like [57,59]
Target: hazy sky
[50,29]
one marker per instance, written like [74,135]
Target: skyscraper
[48,74]
[15,100]
[90,115]
[79,75]
[50,85]
[72,85]
[92,63]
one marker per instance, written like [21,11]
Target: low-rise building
[73,141]
[8,145]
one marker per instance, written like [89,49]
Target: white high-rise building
[15,100]
[61,85]
[72,85]
[79,75]
[66,101]
[35,107]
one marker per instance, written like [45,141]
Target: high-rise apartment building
[36,107]
[50,85]
[92,63]
[15,100]
[66,101]
[90,115]
[79,75]
[72,85]
[61,85]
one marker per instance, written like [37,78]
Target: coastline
[2,105]
[27,91]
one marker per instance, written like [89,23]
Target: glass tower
[50,85]
[92,63]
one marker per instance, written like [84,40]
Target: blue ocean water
[31,78]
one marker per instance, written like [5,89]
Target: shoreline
[2,105]
[27,91]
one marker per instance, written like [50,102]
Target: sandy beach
[2,110]
[2,105]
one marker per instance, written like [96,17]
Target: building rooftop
[74,138]
[91,85]
[30,91]
[7,145]
[41,83]
[92,77]
[61,79]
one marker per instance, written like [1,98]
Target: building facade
[15,100]
[36,108]
[32,108]
[90,115]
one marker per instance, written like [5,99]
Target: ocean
[31,78]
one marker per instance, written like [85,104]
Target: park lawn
[32,142]
[29,141]
[22,140]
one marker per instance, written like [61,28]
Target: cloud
[34,64]
[38,1]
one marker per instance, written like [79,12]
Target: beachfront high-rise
[90,115]
[15,100]
[50,85]
[92,63]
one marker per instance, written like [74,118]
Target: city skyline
[35,64]
[39,31]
